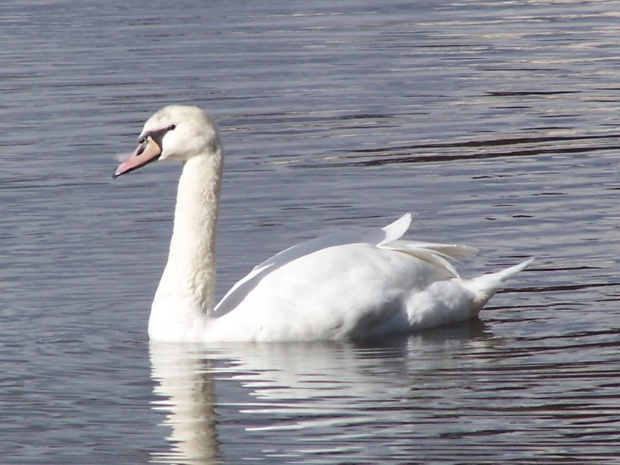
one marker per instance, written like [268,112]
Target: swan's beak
[146,153]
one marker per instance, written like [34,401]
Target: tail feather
[487,285]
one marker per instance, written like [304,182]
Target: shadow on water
[483,149]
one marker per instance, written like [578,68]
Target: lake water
[495,123]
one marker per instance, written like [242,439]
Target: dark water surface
[495,123]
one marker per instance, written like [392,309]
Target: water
[495,123]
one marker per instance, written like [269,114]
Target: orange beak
[147,152]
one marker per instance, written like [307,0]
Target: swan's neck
[184,298]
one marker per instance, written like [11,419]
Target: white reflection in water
[439,395]
[187,396]
[339,395]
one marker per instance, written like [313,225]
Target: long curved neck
[186,291]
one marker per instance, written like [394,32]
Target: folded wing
[387,237]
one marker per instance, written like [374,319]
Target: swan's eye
[156,135]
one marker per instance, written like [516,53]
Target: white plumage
[341,286]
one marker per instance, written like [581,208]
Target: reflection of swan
[335,287]
[186,386]
[277,400]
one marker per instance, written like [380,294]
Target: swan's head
[175,132]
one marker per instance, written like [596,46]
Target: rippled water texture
[495,123]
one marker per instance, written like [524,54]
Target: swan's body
[341,286]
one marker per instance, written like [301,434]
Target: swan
[341,286]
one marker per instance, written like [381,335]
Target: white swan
[340,286]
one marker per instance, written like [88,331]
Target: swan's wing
[386,238]
[449,251]
[437,254]
[379,237]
